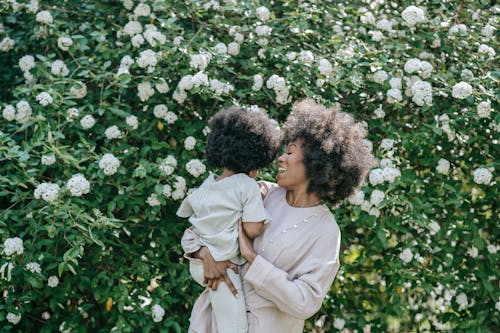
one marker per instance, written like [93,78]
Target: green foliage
[116,249]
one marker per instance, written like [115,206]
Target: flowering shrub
[105,106]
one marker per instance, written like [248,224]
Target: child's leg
[196,270]
[230,312]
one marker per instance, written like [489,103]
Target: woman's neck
[300,198]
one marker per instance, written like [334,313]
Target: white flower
[132,121]
[72,114]
[59,68]
[64,42]
[179,96]
[394,95]
[291,56]
[434,227]
[44,17]
[473,252]
[443,166]
[487,50]
[239,38]
[147,59]
[488,31]
[374,211]
[32,7]
[13,245]
[390,174]
[79,90]
[137,41]
[395,83]
[233,48]
[53,281]
[8,266]
[413,15]
[412,65]
[357,198]
[26,63]
[306,57]
[7,44]
[145,91]
[9,113]
[484,109]
[186,83]
[34,267]
[461,90]
[23,111]
[376,35]
[263,30]
[13,319]
[48,159]
[462,300]
[87,122]
[376,177]
[380,76]
[387,144]
[458,28]
[132,28]
[406,255]
[200,61]
[44,98]
[384,24]
[47,191]
[368,18]
[200,79]
[258,81]
[157,312]
[195,167]
[180,184]
[113,132]
[492,248]
[78,185]
[386,163]
[167,190]
[153,36]
[376,197]
[162,86]
[325,67]
[178,40]
[153,200]
[339,323]
[168,165]
[220,48]
[263,13]
[482,176]
[220,88]
[422,93]
[109,164]
[142,9]
[189,143]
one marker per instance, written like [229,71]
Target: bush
[104,103]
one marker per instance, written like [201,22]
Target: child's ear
[253,174]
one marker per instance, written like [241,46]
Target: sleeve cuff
[258,271]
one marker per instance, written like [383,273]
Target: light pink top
[288,281]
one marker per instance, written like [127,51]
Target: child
[241,141]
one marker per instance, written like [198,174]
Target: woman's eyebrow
[292,144]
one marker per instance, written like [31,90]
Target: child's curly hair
[242,140]
[337,157]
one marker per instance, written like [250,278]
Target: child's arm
[253,229]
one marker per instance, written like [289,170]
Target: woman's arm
[214,271]
[300,297]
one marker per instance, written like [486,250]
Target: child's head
[242,140]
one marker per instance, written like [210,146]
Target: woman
[292,264]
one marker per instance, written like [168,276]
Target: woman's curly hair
[242,140]
[337,157]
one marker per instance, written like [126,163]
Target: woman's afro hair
[337,157]
[242,140]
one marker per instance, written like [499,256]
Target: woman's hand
[246,247]
[215,271]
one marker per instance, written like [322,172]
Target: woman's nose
[281,158]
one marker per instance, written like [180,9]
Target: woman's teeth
[281,170]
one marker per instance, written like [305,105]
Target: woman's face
[291,169]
